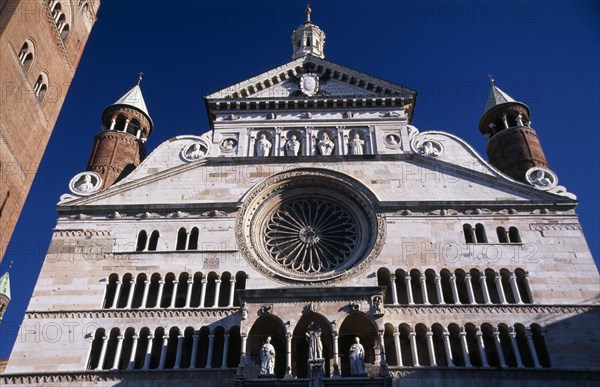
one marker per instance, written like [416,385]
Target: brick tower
[41,43]
[119,147]
[513,146]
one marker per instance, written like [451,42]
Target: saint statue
[315,347]
[292,146]
[325,145]
[357,358]
[356,145]
[85,184]
[267,358]
[430,149]
[195,152]
[263,146]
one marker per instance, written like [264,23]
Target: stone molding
[546,227]
[80,232]
[509,309]
[513,373]
[133,313]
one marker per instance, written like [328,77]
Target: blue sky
[543,53]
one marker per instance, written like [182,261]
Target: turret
[4,292]
[308,39]
[119,148]
[513,146]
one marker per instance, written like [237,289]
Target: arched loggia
[267,326]
[357,325]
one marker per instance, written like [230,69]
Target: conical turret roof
[498,97]
[135,99]
[5,285]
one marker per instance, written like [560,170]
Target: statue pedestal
[266,376]
[316,372]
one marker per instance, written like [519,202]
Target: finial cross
[140,74]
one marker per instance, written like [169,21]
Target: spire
[134,98]
[497,97]
[5,283]
[308,39]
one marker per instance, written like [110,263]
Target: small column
[211,344]
[382,356]
[454,289]
[438,288]
[423,281]
[188,295]
[244,338]
[513,284]
[431,348]
[470,289]
[180,338]
[118,352]
[161,285]
[203,281]
[126,125]
[163,352]
[515,347]
[413,348]
[138,134]
[117,294]
[131,364]
[113,122]
[531,345]
[231,291]
[408,290]
[448,348]
[288,352]
[481,345]
[465,349]
[145,295]
[130,295]
[148,352]
[500,288]
[174,293]
[394,289]
[194,351]
[484,289]
[225,348]
[102,353]
[217,292]
[498,345]
[398,349]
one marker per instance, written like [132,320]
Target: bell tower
[513,145]
[308,39]
[119,148]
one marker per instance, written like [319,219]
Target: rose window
[310,236]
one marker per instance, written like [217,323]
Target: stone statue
[520,120]
[430,149]
[229,144]
[315,346]
[85,184]
[195,152]
[263,146]
[357,358]
[292,146]
[541,179]
[356,145]
[267,358]
[325,145]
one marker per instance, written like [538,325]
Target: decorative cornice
[480,212]
[80,232]
[498,309]
[546,227]
[59,41]
[133,313]
[445,373]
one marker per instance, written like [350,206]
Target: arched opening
[225,289]
[125,289]
[506,344]
[502,235]
[401,286]
[431,286]
[96,349]
[539,341]
[415,283]
[41,87]
[138,291]
[111,288]
[438,345]
[142,347]
[196,290]
[240,284]
[477,286]
[446,286]
[111,349]
[142,239]
[523,286]
[211,287]
[26,55]
[203,339]
[513,235]
[186,347]
[181,239]
[269,326]
[480,236]
[473,345]
[133,127]
[461,286]
[193,242]
[405,346]
[172,344]
[490,279]
[422,348]
[153,301]
[508,292]
[383,279]
[120,122]
[455,345]
[153,241]
[391,356]
[523,346]
[64,33]
[361,326]
[468,233]
[126,349]
[235,346]
[218,342]
[181,288]
[168,289]
[157,345]
[490,347]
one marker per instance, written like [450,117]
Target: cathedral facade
[313,236]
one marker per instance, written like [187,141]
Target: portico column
[217,292]
[498,345]
[174,293]
[118,352]
[188,295]
[382,356]
[131,364]
[431,348]
[438,288]
[130,295]
[398,349]
[413,347]
[454,289]
[481,346]
[484,289]
[203,281]
[469,288]
[161,285]
[231,291]
[534,356]
[225,347]
[465,349]
[288,352]
[194,350]
[394,289]
[244,338]
[408,290]
[102,353]
[163,352]
[117,294]
[448,348]
[145,295]
[423,281]
[211,344]
[500,289]
[513,284]
[515,347]
[148,352]
[180,338]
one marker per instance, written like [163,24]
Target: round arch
[267,326]
[300,344]
[361,326]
